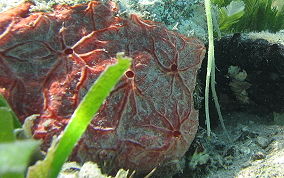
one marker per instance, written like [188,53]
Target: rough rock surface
[49,60]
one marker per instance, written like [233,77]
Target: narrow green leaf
[15,156]
[4,103]
[42,168]
[13,175]
[86,110]
[6,125]
[230,14]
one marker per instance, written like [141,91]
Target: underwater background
[249,54]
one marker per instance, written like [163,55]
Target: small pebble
[245,150]
[246,164]
[228,160]
[262,142]
[258,155]
[231,151]
[90,170]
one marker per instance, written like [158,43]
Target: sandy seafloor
[257,147]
